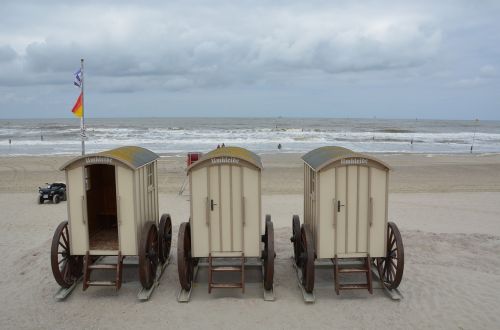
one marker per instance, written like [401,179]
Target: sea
[21,137]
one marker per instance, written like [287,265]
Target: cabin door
[351,207]
[102,220]
[225,208]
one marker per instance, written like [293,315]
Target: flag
[78,107]
[78,78]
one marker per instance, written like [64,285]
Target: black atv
[54,192]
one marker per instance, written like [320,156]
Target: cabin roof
[321,157]
[131,156]
[231,152]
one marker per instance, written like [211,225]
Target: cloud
[203,45]
[488,71]
[469,82]
[7,54]
[486,75]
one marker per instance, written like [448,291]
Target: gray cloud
[201,46]
[204,47]
[7,54]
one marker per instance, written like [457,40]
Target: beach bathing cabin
[112,211]
[225,222]
[345,215]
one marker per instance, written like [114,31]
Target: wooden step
[101,283]
[103,266]
[353,286]
[89,267]
[353,270]
[226,269]
[226,285]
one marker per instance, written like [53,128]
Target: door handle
[339,205]
[212,204]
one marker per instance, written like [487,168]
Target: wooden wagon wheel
[165,238]
[307,259]
[185,263]
[390,268]
[295,239]
[268,254]
[148,254]
[65,267]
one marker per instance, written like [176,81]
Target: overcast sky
[393,59]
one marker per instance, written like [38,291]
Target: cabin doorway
[102,217]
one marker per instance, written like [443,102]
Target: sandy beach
[447,207]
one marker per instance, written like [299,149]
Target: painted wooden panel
[341,189]
[362,238]
[351,205]
[77,211]
[237,219]
[251,192]
[214,214]
[199,212]
[125,200]
[225,207]
[326,230]
[378,227]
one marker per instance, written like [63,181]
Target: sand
[447,207]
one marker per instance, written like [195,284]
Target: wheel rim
[390,267]
[269,255]
[148,255]
[165,237]
[296,238]
[65,267]
[185,263]
[307,259]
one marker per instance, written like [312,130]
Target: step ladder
[224,269]
[89,266]
[350,269]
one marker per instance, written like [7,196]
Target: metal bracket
[268,294]
[394,294]
[63,293]
[184,296]
[84,213]
[145,294]
[309,298]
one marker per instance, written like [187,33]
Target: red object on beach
[193,157]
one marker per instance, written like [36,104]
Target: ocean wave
[261,135]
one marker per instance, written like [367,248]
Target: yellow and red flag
[78,107]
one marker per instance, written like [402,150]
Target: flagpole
[82,118]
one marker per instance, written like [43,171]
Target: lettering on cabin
[98,160]
[354,161]
[225,160]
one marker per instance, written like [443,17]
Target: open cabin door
[225,208]
[102,217]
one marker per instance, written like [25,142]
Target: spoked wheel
[307,259]
[268,254]
[148,255]
[390,268]
[165,238]
[295,239]
[65,267]
[185,263]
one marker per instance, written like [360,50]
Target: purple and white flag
[78,78]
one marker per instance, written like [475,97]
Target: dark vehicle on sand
[54,192]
